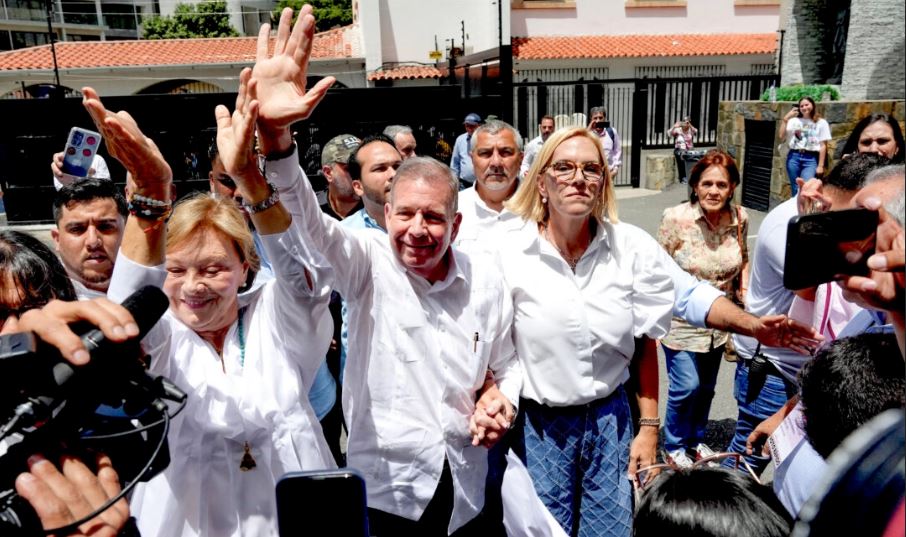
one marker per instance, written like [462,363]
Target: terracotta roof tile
[638,46]
[91,54]
[406,72]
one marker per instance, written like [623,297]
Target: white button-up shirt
[287,329]
[528,156]
[574,332]
[417,357]
[481,225]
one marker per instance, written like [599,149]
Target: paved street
[644,209]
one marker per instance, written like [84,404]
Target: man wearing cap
[461,163]
[341,197]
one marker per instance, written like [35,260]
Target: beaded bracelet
[649,422]
[272,199]
[149,208]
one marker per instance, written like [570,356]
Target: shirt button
[272,175]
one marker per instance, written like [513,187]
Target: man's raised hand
[280,78]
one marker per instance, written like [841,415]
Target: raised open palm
[280,79]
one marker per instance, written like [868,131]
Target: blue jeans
[773,395]
[692,379]
[801,165]
[577,458]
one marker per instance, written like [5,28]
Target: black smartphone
[323,502]
[602,124]
[817,246]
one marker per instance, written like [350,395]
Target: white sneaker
[679,458]
[702,451]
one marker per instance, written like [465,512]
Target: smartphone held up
[78,156]
[821,247]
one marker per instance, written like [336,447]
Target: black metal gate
[640,109]
[759,161]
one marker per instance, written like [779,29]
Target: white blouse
[574,333]
[264,402]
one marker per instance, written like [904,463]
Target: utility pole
[53,49]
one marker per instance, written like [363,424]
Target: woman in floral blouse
[706,237]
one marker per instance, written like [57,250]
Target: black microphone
[146,305]
[45,378]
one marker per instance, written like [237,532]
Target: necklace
[241,340]
[572,261]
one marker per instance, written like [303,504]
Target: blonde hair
[203,212]
[527,203]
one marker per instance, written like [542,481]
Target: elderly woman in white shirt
[246,362]
[585,288]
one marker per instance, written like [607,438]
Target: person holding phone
[610,139]
[706,237]
[806,135]
[682,133]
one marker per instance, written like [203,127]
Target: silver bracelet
[272,199]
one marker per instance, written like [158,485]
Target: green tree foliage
[328,13]
[205,19]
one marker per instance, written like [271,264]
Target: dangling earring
[543,200]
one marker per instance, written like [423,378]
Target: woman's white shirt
[574,333]
[263,402]
[805,134]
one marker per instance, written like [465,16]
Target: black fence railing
[670,99]
[569,102]
[641,110]
[183,128]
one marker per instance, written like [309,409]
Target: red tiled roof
[89,54]
[406,72]
[638,46]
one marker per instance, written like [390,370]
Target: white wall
[612,17]
[625,67]
[407,27]
[128,81]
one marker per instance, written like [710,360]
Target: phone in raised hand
[822,246]
[81,146]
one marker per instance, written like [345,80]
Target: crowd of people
[467,328]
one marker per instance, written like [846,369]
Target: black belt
[806,152]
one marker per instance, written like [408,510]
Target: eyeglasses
[644,477]
[565,171]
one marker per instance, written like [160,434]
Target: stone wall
[840,115]
[875,48]
[875,43]
[660,169]
[803,45]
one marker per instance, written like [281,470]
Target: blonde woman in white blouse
[584,288]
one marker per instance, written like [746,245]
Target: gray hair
[492,127]
[429,170]
[595,109]
[896,206]
[392,130]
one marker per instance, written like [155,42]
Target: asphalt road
[644,209]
